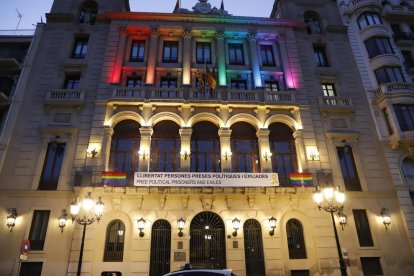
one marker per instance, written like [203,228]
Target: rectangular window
[72,82]
[137,51]
[239,84]
[236,54]
[168,83]
[266,52]
[389,74]
[408,60]
[362,227]
[271,86]
[52,166]
[371,266]
[203,52]
[299,273]
[134,82]
[170,52]
[31,269]
[6,85]
[348,168]
[369,18]
[405,116]
[328,90]
[378,46]
[38,229]
[320,56]
[80,48]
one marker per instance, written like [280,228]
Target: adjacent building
[202,134]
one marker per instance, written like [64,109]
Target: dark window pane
[368,18]
[244,147]
[31,269]
[205,148]
[52,166]
[320,56]
[80,48]
[405,116]
[266,52]
[378,46]
[38,229]
[170,51]
[295,239]
[72,82]
[238,84]
[371,266]
[236,54]
[137,51]
[114,243]
[203,52]
[362,227]
[134,82]
[348,168]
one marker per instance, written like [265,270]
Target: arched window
[207,243]
[205,148]
[313,22]
[124,148]
[244,147]
[253,248]
[408,168]
[114,242]
[88,12]
[165,147]
[368,19]
[282,145]
[160,248]
[295,239]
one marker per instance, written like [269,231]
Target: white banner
[183,179]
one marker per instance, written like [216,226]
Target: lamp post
[92,211]
[331,200]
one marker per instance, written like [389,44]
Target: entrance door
[253,248]
[160,248]
[207,241]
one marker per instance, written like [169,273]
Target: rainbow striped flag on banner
[114,178]
[301,179]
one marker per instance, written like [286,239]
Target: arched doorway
[253,248]
[160,248]
[207,241]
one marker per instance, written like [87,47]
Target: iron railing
[253,248]
[160,248]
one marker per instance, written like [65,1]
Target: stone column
[264,150]
[300,150]
[187,35]
[225,149]
[185,149]
[287,71]
[254,60]
[119,59]
[152,57]
[144,149]
[106,147]
[221,66]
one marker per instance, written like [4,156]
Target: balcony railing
[393,88]
[242,95]
[65,97]
[279,97]
[197,94]
[335,104]
[167,93]
[128,93]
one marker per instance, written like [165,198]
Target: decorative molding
[251,36]
[187,34]
[140,199]
[207,202]
[163,199]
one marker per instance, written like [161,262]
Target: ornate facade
[191,127]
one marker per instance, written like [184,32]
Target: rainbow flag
[114,178]
[299,179]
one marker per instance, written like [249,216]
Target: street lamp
[331,200]
[92,211]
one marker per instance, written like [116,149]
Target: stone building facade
[191,122]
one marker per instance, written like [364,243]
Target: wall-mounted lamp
[92,152]
[141,226]
[312,154]
[272,224]
[142,154]
[180,226]
[62,220]
[267,155]
[342,219]
[11,218]
[386,218]
[236,225]
[120,232]
[184,154]
[227,155]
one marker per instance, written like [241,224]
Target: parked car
[202,272]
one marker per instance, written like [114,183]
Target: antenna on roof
[20,16]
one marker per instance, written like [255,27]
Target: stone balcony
[207,95]
[395,90]
[356,5]
[398,12]
[335,104]
[64,97]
